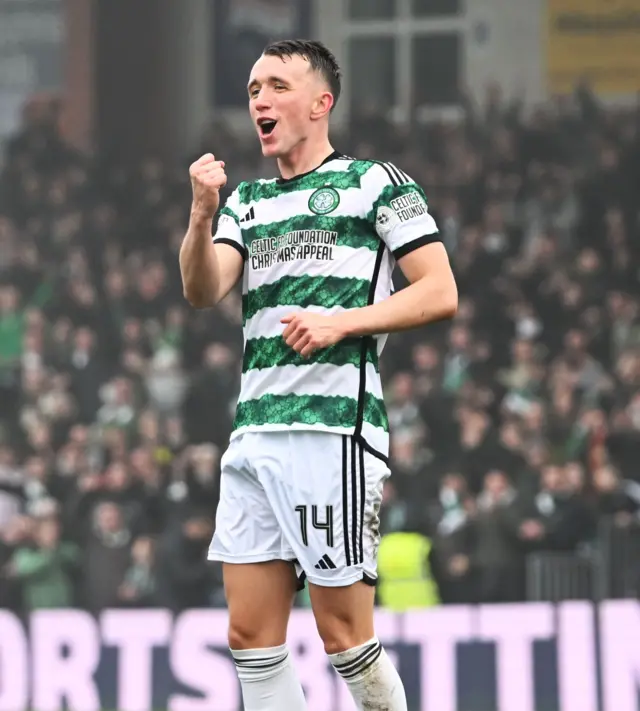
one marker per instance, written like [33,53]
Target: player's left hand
[308,332]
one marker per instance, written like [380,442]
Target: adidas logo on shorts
[325,563]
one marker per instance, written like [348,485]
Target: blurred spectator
[107,555]
[12,494]
[514,429]
[451,521]
[495,556]
[617,498]
[44,568]
[557,519]
[185,576]
[139,586]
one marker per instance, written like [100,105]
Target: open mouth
[266,126]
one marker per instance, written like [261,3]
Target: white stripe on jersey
[312,379]
[347,263]
[287,205]
[266,322]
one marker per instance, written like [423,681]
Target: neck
[304,157]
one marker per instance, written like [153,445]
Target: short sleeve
[398,210]
[228,230]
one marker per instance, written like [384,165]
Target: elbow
[449,300]
[197,300]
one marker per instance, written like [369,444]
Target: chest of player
[306,229]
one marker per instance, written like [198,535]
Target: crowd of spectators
[515,428]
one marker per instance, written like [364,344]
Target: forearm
[422,302]
[198,264]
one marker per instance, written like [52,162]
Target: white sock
[268,680]
[371,677]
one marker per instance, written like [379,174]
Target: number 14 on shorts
[325,525]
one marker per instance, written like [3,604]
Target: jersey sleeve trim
[416,244]
[231,243]
[226,210]
[396,176]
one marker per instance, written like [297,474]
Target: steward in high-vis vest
[404,569]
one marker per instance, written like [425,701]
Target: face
[142,550]
[552,478]
[402,387]
[496,483]
[47,532]
[574,474]
[109,518]
[286,99]
[459,338]
[117,476]
[511,435]
[605,479]
[455,482]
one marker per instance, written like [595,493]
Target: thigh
[246,528]
[344,615]
[259,597]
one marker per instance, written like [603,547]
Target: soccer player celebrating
[302,478]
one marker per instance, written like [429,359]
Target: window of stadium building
[372,74]
[436,8]
[436,68]
[372,9]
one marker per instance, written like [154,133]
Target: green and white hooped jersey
[325,241]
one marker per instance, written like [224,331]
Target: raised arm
[209,270]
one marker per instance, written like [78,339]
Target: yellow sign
[594,39]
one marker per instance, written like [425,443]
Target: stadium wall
[530,657]
[504,42]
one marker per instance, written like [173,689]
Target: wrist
[345,322]
[201,214]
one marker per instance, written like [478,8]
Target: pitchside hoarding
[534,657]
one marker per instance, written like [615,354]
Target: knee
[339,643]
[339,635]
[243,635]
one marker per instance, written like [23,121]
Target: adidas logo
[249,216]
[325,563]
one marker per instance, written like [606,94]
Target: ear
[322,105]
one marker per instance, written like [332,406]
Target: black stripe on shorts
[345,500]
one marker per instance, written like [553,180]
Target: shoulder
[377,174]
[381,179]
[370,175]
[350,164]
[250,190]
[385,173]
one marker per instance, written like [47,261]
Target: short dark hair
[320,58]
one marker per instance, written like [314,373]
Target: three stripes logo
[325,563]
[251,215]
[396,176]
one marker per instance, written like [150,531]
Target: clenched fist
[207,177]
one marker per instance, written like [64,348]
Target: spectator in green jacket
[44,568]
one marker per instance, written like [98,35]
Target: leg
[328,505]
[259,587]
[344,617]
[260,597]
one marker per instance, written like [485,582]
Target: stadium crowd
[515,428]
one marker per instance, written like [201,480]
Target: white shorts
[309,497]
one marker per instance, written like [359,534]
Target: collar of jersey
[332,156]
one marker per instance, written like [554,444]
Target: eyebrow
[270,80]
